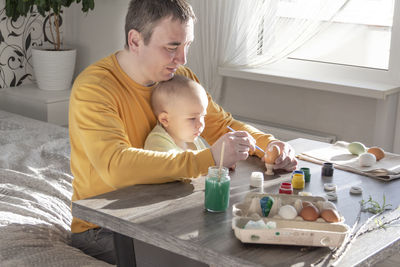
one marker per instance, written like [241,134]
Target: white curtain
[396,145]
[243,33]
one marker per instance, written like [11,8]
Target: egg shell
[322,205]
[306,203]
[330,215]
[309,213]
[272,154]
[298,205]
[356,148]
[275,207]
[288,212]
[377,151]
[366,159]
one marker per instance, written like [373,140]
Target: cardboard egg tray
[287,232]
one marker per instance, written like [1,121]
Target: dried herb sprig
[373,206]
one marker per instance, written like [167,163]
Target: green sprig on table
[373,206]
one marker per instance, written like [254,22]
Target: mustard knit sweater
[110,117]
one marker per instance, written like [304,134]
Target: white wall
[98,33]
[348,117]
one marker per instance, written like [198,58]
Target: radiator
[287,133]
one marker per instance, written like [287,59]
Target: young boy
[180,105]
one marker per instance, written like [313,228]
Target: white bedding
[35,193]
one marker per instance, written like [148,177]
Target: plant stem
[57,26]
[51,32]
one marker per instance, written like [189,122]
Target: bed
[35,193]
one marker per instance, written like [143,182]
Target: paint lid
[331,196]
[330,187]
[357,190]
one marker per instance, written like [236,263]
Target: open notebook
[386,169]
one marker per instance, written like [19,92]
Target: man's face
[166,50]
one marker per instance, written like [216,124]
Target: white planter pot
[53,69]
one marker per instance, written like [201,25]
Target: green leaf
[17,8]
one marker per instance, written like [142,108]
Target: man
[110,116]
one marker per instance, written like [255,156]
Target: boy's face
[186,119]
[166,50]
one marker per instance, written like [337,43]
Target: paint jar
[327,169]
[257,179]
[298,179]
[217,188]
[307,174]
[286,188]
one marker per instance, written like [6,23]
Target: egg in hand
[272,154]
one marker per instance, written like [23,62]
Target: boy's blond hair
[179,86]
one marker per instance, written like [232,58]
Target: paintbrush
[259,148]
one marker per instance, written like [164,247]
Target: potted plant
[53,67]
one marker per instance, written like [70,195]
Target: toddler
[180,105]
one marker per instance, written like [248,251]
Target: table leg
[124,250]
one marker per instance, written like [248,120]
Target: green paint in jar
[217,188]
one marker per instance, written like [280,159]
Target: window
[370,54]
[365,63]
[359,35]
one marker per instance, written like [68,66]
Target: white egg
[275,206]
[298,205]
[366,159]
[287,212]
[255,206]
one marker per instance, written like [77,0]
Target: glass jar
[217,189]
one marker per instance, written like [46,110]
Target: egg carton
[286,232]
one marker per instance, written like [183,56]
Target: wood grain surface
[172,216]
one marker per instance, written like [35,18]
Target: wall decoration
[16,41]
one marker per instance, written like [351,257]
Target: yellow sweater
[109,118]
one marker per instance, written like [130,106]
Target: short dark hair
[143,15]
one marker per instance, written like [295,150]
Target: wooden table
[172,217]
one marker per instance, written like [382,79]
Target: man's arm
[215,131]
[217,121]
[98,135]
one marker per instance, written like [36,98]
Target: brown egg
[330,215]
[309,213]
[271,154]
[306,203]
[377,151]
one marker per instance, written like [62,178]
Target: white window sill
[369,89]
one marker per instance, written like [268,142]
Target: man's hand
[287,159]
[237,147]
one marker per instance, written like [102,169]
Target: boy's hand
[237,147]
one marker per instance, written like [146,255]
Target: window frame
[369,82]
